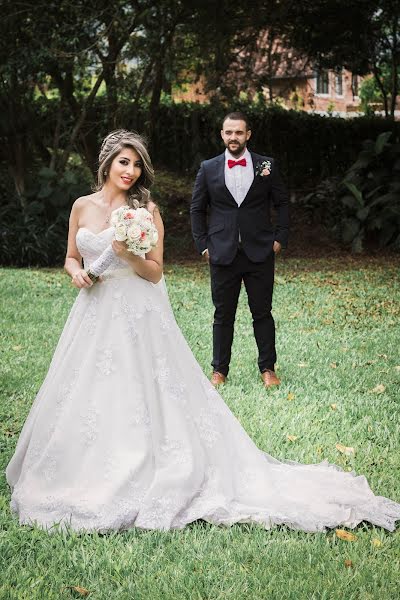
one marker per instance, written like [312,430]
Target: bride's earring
[105,173]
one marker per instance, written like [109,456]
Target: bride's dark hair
[113,143]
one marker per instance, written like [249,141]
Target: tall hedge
[309,147]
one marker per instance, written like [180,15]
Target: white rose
[120,232]
[153,237]
[134,233]
[145,246]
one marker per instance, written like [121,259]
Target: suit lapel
[256,180]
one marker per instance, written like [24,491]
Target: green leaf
[364,159]
[356,192]
[381,141]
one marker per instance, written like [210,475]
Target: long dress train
[127,431]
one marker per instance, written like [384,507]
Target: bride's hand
[121,250]
[81,279]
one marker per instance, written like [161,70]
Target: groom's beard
[236,148]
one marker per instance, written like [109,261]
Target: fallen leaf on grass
[333,406]
[342,534]
[292,438]
[379,389]
[376,542]
[347,450]
[290,396]
[348,563]
[397,368]
[17,348]
[333,365]
[302,365]
[79,590]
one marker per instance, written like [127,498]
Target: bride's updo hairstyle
[113,143]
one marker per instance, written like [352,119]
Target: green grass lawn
[338,324]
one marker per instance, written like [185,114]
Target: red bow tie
[233,163]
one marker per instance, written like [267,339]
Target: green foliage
[370,192]
[308,147]
[370,94]
[338,338]
[321,206]
[33,228]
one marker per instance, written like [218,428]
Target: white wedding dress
[127,431]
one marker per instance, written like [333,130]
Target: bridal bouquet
[135,226]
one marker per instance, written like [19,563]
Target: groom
[236,191]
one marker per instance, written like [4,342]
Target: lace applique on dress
[161,372]
[165,319]
[90,424]
[175,452]
[128,313]
[105,364]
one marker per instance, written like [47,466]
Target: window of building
[322,82]
[354,84]
[339,83]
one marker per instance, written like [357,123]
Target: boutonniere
[263,169]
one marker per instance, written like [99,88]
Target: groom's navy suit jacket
[220,232]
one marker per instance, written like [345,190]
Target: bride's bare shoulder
[83,201]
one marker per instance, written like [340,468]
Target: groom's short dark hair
[237,116]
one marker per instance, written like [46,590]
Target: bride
[126,430]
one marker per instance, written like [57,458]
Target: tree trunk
[82,117]
[112,98]
[155,101]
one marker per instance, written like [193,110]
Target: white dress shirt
[238,179]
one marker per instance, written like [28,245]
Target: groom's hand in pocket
[277,247]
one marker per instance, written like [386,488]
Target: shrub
[370,191]
[33,228]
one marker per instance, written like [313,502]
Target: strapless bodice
[91,245]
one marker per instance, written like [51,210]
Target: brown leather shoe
[217,379]
[269,378]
